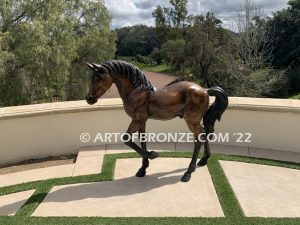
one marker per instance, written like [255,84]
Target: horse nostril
[89,98]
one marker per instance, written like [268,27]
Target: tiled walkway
[262,191]
[10,204]
[159,194]
[89,161]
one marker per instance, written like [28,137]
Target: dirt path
[157,79]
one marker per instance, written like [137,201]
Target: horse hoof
[186,177]
[153,155]
[202,163]
[141,173]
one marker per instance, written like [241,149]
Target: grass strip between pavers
[231,208]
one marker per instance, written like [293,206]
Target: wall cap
[235,103]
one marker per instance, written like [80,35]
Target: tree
[178,14]
[173,53]
[156,56]
[44,44]
[198,47]
[207,53]
[95,43]
[195,45]
[208,50]
[136,40]
[286,42]
[170,21]
[254,45]
[254,40]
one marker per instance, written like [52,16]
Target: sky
[133,12]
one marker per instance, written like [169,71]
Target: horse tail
[216,110]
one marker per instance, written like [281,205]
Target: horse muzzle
[91,100]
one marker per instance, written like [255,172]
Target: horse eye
[95,77]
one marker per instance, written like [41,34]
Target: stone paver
[158,194]
[264,191]
[36,175]
[88,165]
[91,151]
[117,149]
[10,204]
[89,161]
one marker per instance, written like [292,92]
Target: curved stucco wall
[53,129]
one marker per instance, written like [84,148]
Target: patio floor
[159,194]
[262,191]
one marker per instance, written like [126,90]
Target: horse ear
[90,66]
[100,68]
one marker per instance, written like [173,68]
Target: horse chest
[136,110]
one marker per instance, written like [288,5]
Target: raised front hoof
[153,155]
[202,162]
[186,177]
[140,173]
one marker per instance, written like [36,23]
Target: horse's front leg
[134,126]
[142,171]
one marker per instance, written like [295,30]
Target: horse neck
[124,86]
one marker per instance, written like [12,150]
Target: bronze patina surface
[142,101]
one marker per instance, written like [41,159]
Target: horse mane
[135,75]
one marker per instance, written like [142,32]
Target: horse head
[100,82]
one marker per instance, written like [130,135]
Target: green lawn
[296,97]
[162,68]
[230,205]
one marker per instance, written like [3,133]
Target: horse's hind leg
[142,171]
[206,155]
[192,167]
[196,128]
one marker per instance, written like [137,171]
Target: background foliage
[211,55]
[45,44]
[286,43]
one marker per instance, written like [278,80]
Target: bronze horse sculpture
[142,101]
